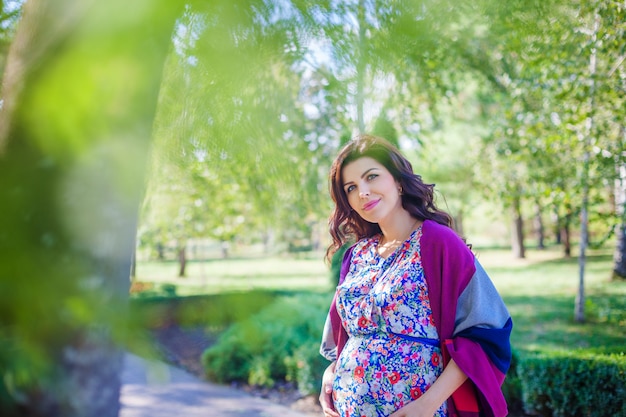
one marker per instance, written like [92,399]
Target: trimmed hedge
[573,383]
[512,386]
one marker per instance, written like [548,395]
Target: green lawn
[540,293]
[240,274]
[539,290]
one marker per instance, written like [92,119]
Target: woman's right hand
[326,392]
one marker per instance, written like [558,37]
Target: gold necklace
[387,246]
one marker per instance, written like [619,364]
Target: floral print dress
[392,355]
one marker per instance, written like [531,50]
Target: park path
[155,389]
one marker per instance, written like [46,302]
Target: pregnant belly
[377,375]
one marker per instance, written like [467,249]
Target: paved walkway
[154,389]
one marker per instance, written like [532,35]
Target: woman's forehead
[360,166]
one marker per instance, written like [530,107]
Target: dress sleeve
[334,336]
[328,347]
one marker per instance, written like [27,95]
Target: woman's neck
[397,231]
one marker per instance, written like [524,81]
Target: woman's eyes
[351,188]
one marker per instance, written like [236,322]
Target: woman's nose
[364,192]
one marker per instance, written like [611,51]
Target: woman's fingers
[326,393]
[326,402]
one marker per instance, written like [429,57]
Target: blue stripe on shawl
[494,342]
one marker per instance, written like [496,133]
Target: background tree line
[480,93]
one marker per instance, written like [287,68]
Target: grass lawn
[539,290]
[240,274]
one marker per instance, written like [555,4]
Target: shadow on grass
[211,310]
[548,322]
[573,260]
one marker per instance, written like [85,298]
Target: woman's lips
[370,205]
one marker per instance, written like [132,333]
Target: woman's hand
[426,406]
[326,392]
[415,408]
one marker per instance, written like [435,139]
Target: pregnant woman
[416,327]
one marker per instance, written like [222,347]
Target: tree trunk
[619,256]
[519,251]
[565,236]
[579,306]
[182,261]
[225,246]
[458,223]
[557,226]
[539,228]
[79,94]
[268,241]
[133,265]
[160,248]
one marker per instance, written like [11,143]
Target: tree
[79,94]
[613,87]
[564,108]
[9,15]
[588,111]
[229,131]
[619,256]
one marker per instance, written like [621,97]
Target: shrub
[604,308]
[305,367]
[272,345]
[512,387]
[574,383]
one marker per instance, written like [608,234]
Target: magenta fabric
[449,266]
[339,333]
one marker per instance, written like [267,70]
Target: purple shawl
[449,267]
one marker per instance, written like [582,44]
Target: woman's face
[371,189]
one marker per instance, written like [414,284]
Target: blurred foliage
[78,100]
[245,113]
[488,99]
[243,144]
[9,16]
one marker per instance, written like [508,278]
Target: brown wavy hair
[417,197]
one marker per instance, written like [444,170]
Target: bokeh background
[166,165]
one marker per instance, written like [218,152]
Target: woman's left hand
[326,393]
